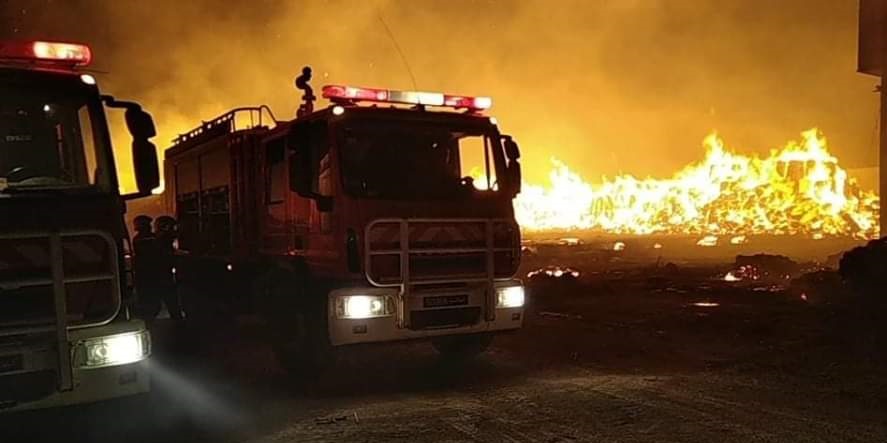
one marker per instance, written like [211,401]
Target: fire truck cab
[66,336]
[385,216]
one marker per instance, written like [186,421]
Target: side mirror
[139,123]
[144,153]
[512,152]
[144,158]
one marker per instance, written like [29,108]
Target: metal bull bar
[57,281]
[405,251]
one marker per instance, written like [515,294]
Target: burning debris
[799,189]
[708,241]
[762,267]
[731,277]
[738,240]
[529,250]
[554,271]
[569,241]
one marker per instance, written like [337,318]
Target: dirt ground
[624,353]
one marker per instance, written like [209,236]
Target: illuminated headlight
[363,306]
[510,297]
[113,350]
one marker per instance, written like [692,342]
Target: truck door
[322,251]
[274,235]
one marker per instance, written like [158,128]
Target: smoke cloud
[607,86]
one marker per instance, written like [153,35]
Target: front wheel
[462,347]
[297,326]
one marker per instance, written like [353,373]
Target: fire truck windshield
[406,160]
[51,136]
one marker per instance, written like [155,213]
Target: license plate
[9,363]
[445,300]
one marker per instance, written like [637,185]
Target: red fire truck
[66,336]
[385,216]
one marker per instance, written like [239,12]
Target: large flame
[799,189]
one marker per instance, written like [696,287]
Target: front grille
[28,386]
[89,272]
[431,265]
[444,318]
[31,305]
[441,250]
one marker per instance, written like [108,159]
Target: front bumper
[89,384]
[397,325]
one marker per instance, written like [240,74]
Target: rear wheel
[462,347]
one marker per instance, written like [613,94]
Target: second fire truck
[385,216]
[66,334]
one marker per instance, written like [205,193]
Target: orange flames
[799,189]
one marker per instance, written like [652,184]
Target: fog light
[363,306]
[510,297]
[113,350]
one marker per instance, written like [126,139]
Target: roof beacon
[70,54]
[351,94]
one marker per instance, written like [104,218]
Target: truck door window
[276,184]
[476,159]
[325,187]
[320,150]
[323,172]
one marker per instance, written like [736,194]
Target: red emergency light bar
[338,93]
[70,54]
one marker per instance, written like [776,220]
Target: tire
[296,325]
[462,347]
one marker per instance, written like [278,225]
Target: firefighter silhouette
[165,235]
[154,267]
[142,260]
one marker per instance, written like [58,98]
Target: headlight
[363,306]
[113,350]
[510,297]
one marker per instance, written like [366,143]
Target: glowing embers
[744,272]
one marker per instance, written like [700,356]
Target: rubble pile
[864,268]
